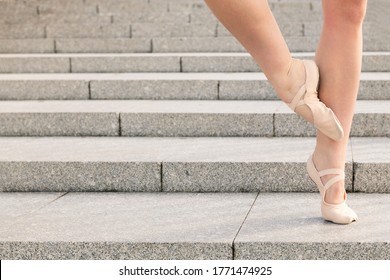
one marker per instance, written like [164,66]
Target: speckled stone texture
[240,177]
[119,64]
[290,226]
[80,176]
[201,124]
[103,45]
[43,89]
[196,44]
[172,30]
[88,30]
[375,90]
[217,226]
[26,46]
[10,64]
[371,164]
[22,31]
[371,119]
[247,89]
[375,124]
[129,226]
[220,164]
[201,63]
[154,89]
[59,124]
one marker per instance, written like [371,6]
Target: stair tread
[183,225]
[250,76]
[171,106]
[184,149]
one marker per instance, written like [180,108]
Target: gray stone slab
[265,165]
[205,18]
[97,226]
[376,43]
[190,164]
[16,206]
[302,44]
[103,45]
[188,6]
[200,118]
[132,7]
[81,19]
[219,63]
[371,119]
[290,8]
[61,7]
[107,64]
[49,19]
[152,17]
[196,44]
[154,89]
[27,46]
[80,176]
[374,90]
[243,62]
[43,89]
[60,123]
[196,125]
[371,164]
[15,64]
[376,62]
[172,30]
[290,226]
[249,89]
[19,18]
[287,123]
[22,31]
[8,7]
[87,30]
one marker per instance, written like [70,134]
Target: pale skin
[338,57]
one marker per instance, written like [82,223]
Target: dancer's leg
[339,57]
[254,26]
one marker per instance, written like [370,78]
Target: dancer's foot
[339,213]
[303,99]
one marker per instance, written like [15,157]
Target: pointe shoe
[323,117]
[336,213]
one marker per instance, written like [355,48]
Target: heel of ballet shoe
[313,174]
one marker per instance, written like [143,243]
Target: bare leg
[254,26]
[339,57]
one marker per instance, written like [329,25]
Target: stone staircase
[141,129]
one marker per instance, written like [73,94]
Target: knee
[351,12]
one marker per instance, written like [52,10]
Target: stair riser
[174,63]
[177,125]
[161,45]
[180,177]
[160,90]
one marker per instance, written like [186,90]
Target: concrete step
[155,62]
[174,118]
[184,164]
[189,226]
[182,86]
[161,45]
